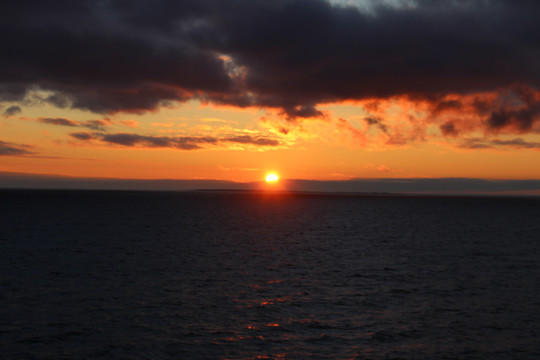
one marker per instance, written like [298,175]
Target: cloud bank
[133,56]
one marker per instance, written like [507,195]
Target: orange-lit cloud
[129,123]
[404,120]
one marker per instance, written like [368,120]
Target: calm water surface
[210,275]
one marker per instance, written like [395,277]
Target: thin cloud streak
[98,125]
[518,143]
[11,149]
[58,122]
[176,142]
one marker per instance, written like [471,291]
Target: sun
[272,177]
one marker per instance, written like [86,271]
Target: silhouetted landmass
[466,186]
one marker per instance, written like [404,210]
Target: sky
[327,91]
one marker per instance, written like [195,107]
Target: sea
[255,275]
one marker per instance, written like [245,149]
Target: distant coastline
[362,187]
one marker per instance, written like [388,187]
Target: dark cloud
[446,105]
[132,56]
[12,91]
[518,143]
[12,110]
[58,122]
[108,56]
[449,129]
[178,142]
[376,121]
[521,118]
[59,100]
[98,125]
[301,111]
[306,51]
[247,139]
[82,136]
[10,149]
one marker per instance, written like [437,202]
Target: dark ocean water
[210,275]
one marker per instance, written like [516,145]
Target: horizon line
[418,185]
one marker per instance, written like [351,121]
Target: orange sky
[338,146]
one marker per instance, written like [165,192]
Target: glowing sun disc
[271,178]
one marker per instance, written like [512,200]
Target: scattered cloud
[512,110]
[177,142]
[58,122]
[378,122]
[11,149]
[252,140]
[180,142]
[98,125]
[449,129]
[82,136]
[12,111]
[481,143]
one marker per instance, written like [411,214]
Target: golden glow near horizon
[272,178]
[238,144]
